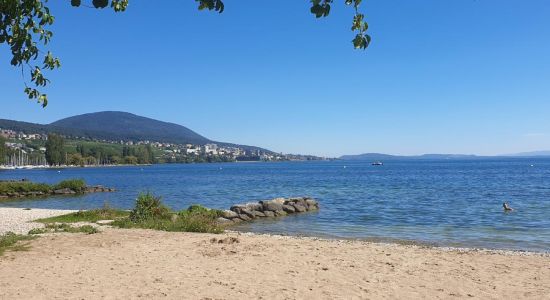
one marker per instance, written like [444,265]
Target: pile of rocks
[98,189]
[65,191]
[268,209]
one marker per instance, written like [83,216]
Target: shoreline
[26,215]
[30,167]
[404,243]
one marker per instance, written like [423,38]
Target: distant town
[20,149]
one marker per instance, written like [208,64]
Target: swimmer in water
[506,207]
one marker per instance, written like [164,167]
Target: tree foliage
[55,150]
[3,149]
[24,25]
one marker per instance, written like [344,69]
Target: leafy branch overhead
[24,24]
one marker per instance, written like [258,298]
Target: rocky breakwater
[85,190]
[267,209]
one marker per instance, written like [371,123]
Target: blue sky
[440,76]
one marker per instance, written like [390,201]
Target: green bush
[197,209]
[149,207]
[77,185]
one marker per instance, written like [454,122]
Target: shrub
[149,207]
[77,185]
[197,209]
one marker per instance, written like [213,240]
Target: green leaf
[100,3]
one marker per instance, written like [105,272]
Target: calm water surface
[451,203]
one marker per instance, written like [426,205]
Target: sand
[129,264]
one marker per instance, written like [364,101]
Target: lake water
[448,203]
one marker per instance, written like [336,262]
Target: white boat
[377,163]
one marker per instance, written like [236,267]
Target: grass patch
[8,187]
[9,241]
[64,227]
[150,213]
[91,216]
[77,185]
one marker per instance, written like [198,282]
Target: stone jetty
[267,209]
[55,192]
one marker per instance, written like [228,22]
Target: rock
[301,202]
[272,205]
[96,189]
[236,220]
[269,214]
[280,213]
[312,207]
[244,217]
[289,209]
[65,191]
[312,204]
[279,200]
[223,221]
[258,214]
[299,208]
[229,214]
[248,213]
[237,208]
[294,199]
[254,206]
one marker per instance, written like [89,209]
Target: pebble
[19,220]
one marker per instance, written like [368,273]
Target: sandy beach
[128,264]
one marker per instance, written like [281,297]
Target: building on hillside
[211,149]
[195,151]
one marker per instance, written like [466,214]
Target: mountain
[530,154]
[368,156]
[380,156]
[116,125]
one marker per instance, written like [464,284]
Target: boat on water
[377,163]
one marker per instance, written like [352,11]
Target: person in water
[506,207]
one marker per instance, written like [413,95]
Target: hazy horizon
[468,77]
